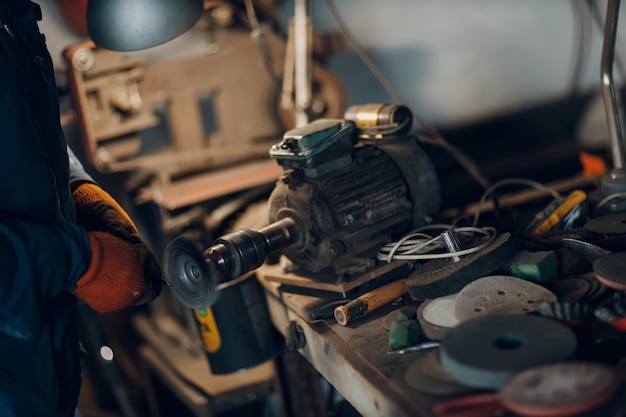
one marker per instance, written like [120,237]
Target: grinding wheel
[571,289]
[193,279]
[437,316]
[499,294]
[486,351]
[389,318]
[611,270]
[438,278]
[554,390]
[560,389]
[608,224]
[422,376]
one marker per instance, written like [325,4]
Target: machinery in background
[168,123]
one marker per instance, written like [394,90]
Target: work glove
[123,271]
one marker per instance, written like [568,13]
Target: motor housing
[347,196]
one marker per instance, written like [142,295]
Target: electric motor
[350,197]
[338,200]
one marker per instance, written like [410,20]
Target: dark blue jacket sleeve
[39,262]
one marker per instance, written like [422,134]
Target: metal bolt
[451,244]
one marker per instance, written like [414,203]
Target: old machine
[348,186]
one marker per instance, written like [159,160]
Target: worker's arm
[123,270]
[39,261]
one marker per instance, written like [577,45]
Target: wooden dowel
[369,302]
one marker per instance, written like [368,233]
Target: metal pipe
[612,104]
[451,244]
[302,49]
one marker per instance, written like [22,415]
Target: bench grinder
[341,196]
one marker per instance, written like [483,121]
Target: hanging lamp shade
[130,25]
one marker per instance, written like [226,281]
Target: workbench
[352,358]
[355,360]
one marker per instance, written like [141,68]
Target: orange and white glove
[123,271]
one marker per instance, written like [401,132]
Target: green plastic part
[540,267]
[403,333]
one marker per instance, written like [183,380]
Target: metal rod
[302,63]
[612,104]
[451,244]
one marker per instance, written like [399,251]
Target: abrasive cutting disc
[437,316]
[559,389]
[610,270]
[394,315]
[193,279]
[499,294]
[607,224]
[422,376]
[484,352]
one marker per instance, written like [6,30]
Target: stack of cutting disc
[582,288]
[484,296]
[428,376]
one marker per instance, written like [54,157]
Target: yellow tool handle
[577,196]
[369,302]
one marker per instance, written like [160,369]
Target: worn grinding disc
[608,224]
[499,294]
[611,270]
[419,376]
[570,289]
[596,291]
[388,319]
[437,316]
[431,366]
[486,351]
[394,315]
[438,278]
[559,389]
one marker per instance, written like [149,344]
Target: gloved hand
[123,271]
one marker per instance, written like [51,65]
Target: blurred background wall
[454,61]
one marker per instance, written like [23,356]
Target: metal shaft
[245,250]
[612,104]
[302,45]
[451,244]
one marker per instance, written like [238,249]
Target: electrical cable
[435,138]
[609,198]
[512,181]
[418,245]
